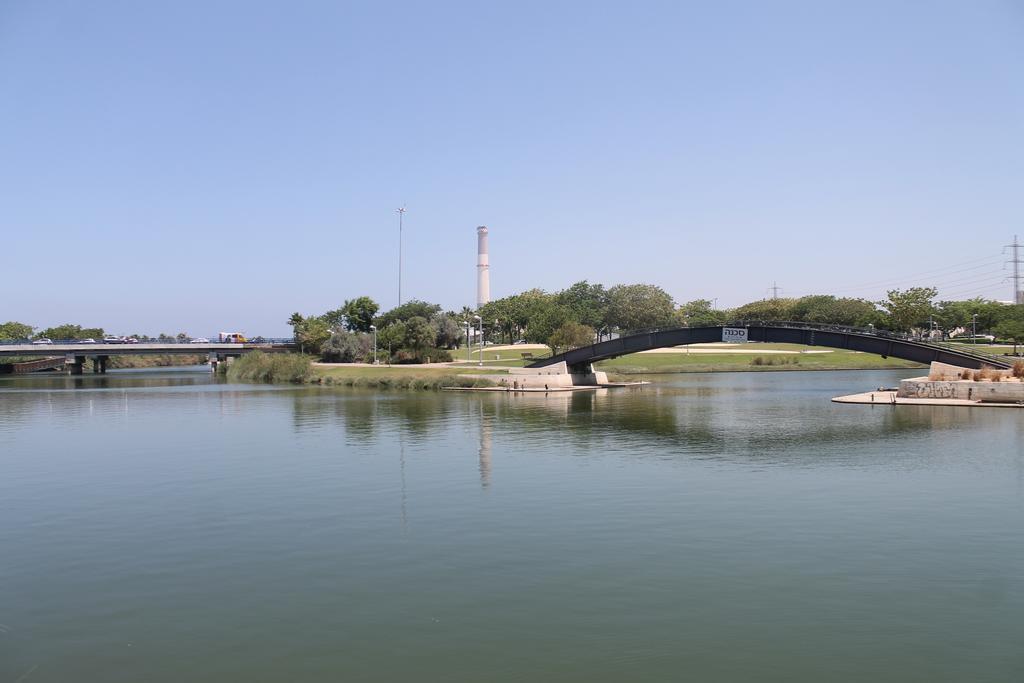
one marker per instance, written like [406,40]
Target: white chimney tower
[483,267]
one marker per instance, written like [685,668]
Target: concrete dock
[890,398]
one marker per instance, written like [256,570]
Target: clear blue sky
[205,166]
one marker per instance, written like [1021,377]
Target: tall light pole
[374,328]
[480,332]
[401,215]
[469,347]
[974,328]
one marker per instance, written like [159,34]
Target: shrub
[416,356]
[417,383]
[988,373]
[1018,369]
[346,347]
[776,360]
[271,367]
[571,335]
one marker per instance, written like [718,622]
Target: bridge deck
[849,339]
[8,350]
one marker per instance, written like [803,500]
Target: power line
[915,278]
[401,215]
[973,287]
[932,271]
[1018,295]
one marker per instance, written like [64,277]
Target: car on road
[200,340]
[87,340]
[113,339]
[43,340]
[131,340]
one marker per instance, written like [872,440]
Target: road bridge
[76,354]
[850,339]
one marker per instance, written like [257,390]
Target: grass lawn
[404,376]
[504,362]
[411,371]
[654,363]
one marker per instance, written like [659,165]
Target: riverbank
[711,358]
[435,376]
[748,358]
[166,360]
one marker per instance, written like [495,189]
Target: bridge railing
[186,342]
[848,329]
[793,324]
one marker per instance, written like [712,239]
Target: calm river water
[159,526]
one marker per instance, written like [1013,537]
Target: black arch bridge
[866,341]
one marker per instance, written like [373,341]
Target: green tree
[588,303]
[447,331]
[765,310]
[830,310]
[359,313]
[499,314]
[419,334]
[346,347]
[571,335]
[69,331]
[295,321]
[391,337]
[410,309]
[15,330]
[908,309]
[546,321]
[311,334]
[1011,326]
[699,313]
[970,315]
[638,307]
[334,318]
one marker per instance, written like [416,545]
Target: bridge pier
[99,364]
[558,375]
[78,366]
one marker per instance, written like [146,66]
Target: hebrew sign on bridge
[734,335]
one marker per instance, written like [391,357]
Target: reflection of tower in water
[401,469]
[485,449]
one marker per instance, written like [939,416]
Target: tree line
[584,312]
[417,331]
[14,331]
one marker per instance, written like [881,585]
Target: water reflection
[708,511]
[485,448]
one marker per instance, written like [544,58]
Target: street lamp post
[401,214]
[480,332]
[469,347]
[974,328]
[374,328]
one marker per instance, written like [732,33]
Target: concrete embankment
[948,385]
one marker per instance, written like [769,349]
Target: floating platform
[882,398]
[549,390]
